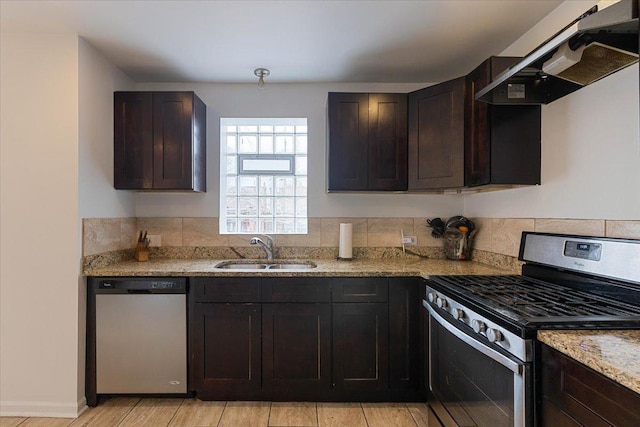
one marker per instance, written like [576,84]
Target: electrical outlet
[154,239]
[409,240]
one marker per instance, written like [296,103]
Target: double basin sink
[268,265]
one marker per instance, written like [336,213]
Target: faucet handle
[269,238]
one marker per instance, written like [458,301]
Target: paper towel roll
[345,250]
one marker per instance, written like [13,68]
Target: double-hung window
[263,175]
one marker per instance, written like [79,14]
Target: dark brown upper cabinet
[159,141]
[456,141]
[502,142]
[436,136]
[367,142]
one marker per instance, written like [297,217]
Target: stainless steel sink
[289,265]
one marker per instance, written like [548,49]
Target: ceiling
[298,41]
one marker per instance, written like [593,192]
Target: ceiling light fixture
[261,73]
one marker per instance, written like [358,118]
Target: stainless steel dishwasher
[140,335]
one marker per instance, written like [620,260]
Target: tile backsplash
[495,235]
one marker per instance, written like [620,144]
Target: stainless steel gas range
[482,349]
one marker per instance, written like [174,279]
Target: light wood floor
[125,412]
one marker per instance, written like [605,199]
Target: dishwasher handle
[140,285]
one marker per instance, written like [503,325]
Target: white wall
[590,146]
[288,100]
[39,225]
[57,162]
[98,79]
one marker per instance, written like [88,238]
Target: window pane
[301,207]
[301,186]
[301,144]
[248,206]
[232,226]
[266,185]
[248,225]
[232,144]
[266,165]
[284,206]
[248,129]
[248,144]
[232,129]
[266,129]
[284,129]
[266,206]
[232,165]
[266,225]
[232,186]
[284,144]
[266,144]
[284,186]
[301,165]
[301,129]
[248,185]
[301,226]
[284,226]
[232,206]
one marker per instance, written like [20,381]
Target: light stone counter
[325,268]
[615,354]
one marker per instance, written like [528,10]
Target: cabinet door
[575,395]
[225,358]
[387,141]
[172,140]
[502,143]
[348,140]
[361,349]
[132,140]
[404,338]
[296,350]
[436,136]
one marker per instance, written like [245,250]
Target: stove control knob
[458,313]
[432,297]
[478,326]
[442,303]
[494,335]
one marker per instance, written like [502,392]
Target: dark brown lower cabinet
[288,339]
[226,359]
[296,351]
[361,349]
[575,395]
[404,338]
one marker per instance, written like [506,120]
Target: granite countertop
[325,268]
[615,354]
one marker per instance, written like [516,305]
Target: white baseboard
[42,409]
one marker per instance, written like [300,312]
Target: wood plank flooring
[127,411]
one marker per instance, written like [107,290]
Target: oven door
[473,384]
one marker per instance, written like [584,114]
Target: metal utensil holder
[458,247]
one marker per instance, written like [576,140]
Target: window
[263,175]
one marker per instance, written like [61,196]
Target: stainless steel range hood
[594,45]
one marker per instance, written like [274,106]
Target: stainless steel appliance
[140,335]
[482,329]
[593,46]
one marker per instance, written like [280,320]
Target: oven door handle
[505,361]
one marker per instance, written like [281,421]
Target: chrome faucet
[268,247]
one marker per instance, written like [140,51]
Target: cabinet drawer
[227,289]
[360,289]
[295,289]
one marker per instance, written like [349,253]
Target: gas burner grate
[531,298]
